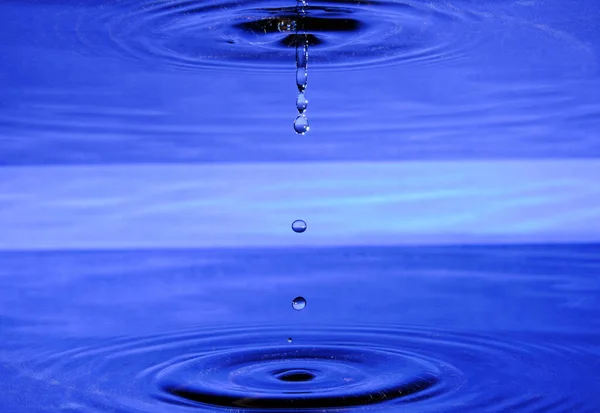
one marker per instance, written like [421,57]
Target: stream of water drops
[301,125]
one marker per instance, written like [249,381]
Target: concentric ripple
[247,367]
[304,377]
[261,34]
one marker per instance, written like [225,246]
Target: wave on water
[262,34]
[256,368]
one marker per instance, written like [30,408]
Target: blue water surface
[150,175]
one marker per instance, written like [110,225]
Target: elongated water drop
[299,226]
[301,52]
[299,303]
[301,125]
[301,102]
[301,79]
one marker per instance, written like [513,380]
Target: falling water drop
[301,102]
[289,340]
[301,79]
[301,51]
[299,226]
[299,303]
[301,125]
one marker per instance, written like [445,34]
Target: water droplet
[299,226]
[299,303]
[301,51]
[301,78]
[289,340]
[301,125]
[301,102]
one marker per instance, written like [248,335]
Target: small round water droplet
[299,303]
[301,125]
[289,340]
[301,102]
[299,226]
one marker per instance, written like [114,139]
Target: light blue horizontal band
[253,205]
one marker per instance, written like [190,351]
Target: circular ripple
[259,34]
[425,370]
[304,377]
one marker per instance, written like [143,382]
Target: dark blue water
[124,81]
[152,184]
[416,329]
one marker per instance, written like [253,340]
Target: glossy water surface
[123,81]
[154,158]
[415,329]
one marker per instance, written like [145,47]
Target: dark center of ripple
[285,20]
[295,375]
[311,377]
